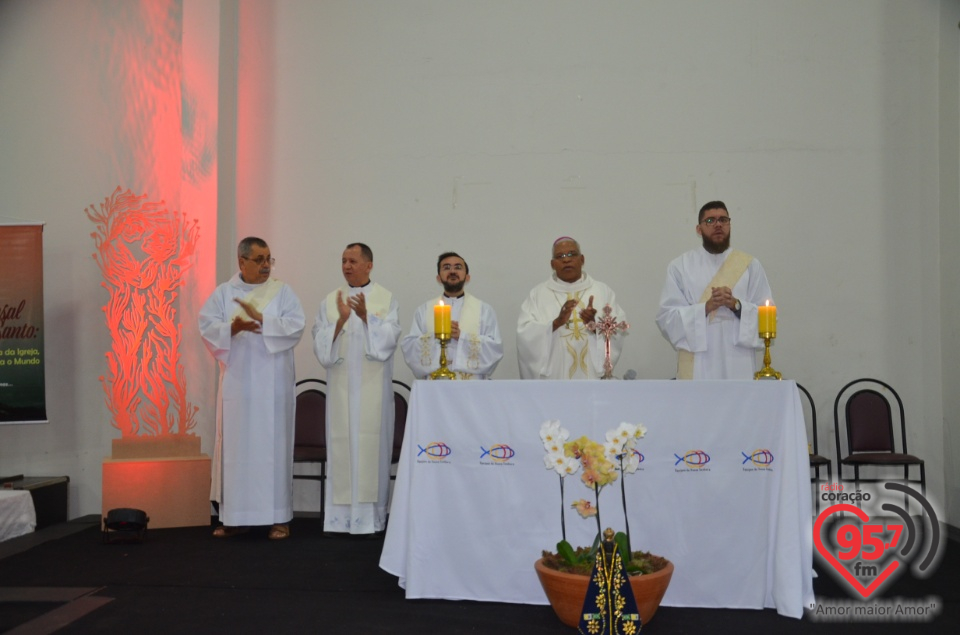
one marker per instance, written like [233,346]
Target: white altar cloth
[17,514]
[723,489]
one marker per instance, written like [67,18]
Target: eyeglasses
[456,267]
[260,260]
[719,220]
[569,254]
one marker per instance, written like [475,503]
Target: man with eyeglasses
[475,348]
[708,306]
[251,325]
[553,341]
[354,338]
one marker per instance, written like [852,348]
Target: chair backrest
[401,391]
[813,418]
[868,414]
[869,422]
[310,428]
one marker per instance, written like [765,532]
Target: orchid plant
[600,464]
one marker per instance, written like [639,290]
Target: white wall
[949,254]
[92,97]
[492,128]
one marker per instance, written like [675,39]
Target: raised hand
[589,313]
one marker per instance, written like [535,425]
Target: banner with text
[22,392]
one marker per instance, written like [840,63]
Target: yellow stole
[371,408]
[727,276]
[259,297]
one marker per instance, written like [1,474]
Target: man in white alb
[553,341]
[474,349]
[251,325]
[708,307]
[354,337]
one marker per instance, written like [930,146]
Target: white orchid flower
[561,464]
[551,431]
[611,450]
[629,430]
[554,461]
[553,447]
[624,434]
[631,462]
[640,431]
[616,437]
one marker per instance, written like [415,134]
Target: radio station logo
[867,549]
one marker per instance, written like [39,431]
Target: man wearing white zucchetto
[553,338]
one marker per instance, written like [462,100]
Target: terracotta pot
[567,591]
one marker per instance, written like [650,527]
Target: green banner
[22,392]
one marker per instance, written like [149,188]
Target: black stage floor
[66,580]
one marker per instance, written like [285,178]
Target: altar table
[723,489]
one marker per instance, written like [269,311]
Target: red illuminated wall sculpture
[143,251]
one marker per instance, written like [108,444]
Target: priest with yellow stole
[708,306]
[354,337]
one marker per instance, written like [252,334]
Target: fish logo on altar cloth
[760,458]
[693,458]
[436,451]
[498,453]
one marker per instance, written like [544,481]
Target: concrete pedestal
[174,492]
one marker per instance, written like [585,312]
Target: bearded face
[453,275]
[716,244]
[714,229]
[453,288]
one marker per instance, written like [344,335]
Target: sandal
[225,532]
[279,532]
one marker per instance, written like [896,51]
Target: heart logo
[864,591]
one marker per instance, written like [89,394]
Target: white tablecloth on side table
[723,489]
[17,514]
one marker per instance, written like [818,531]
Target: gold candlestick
[767,372]
[443,372]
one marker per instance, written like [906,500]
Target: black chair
[870,439]
[310,431]
[817,460]
[401,393]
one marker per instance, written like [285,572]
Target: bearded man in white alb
[251,325]
[354,337]
[553,341]
[475,348]
[708,307]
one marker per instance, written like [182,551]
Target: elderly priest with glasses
[251,325]
[553,341]
[708,306]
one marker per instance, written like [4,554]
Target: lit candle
[441,320]
[767,319]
